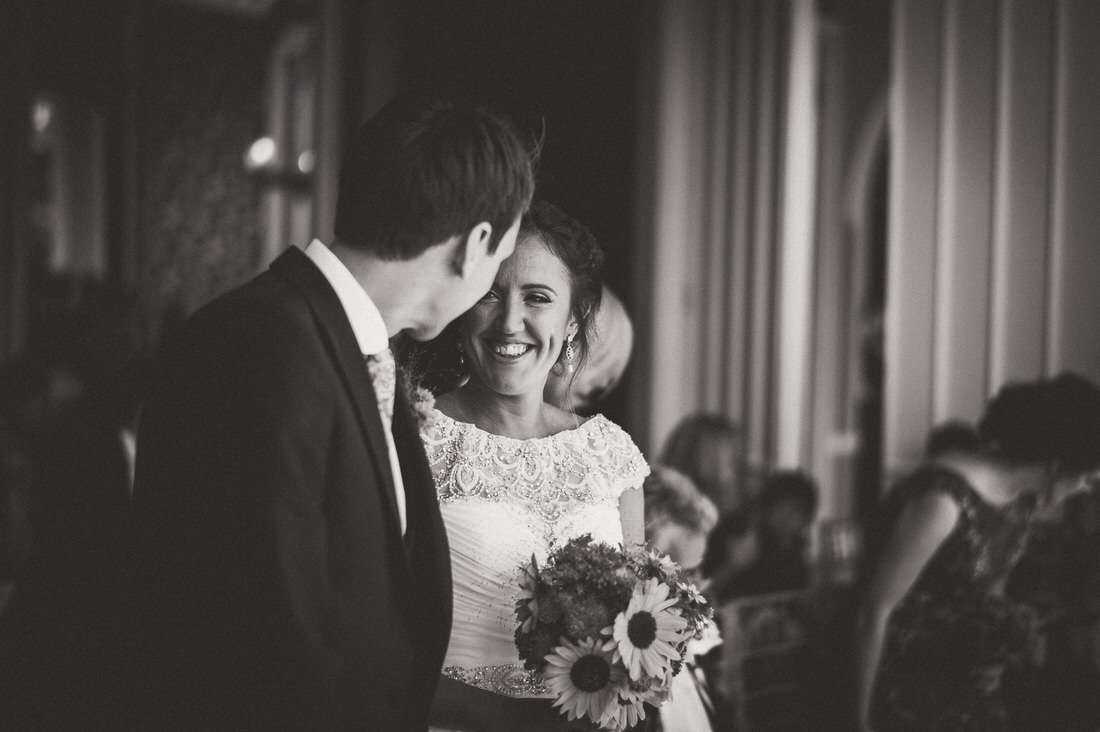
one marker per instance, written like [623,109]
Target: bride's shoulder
[613,448]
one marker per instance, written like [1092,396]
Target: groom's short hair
[420,172]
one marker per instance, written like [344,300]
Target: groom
[293,566]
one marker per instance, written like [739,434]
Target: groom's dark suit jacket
[274,587]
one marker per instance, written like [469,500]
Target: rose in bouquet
[607,628]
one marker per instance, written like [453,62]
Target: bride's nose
[510,316]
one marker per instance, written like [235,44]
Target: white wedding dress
[504,500]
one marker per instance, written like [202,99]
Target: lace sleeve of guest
[972,507]
[934,478]
[985,543]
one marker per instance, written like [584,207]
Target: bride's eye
[489,296]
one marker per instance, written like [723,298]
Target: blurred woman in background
[936,630]
[678,518]
[707,448]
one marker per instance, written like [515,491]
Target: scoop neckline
[584,424]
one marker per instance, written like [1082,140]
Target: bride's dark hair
[1047,420]
[570,241]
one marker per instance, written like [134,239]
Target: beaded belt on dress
[509,679]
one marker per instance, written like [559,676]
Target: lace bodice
[552,477]
[504,500]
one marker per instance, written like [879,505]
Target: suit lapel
[415,474]
[425,536]
[332,323]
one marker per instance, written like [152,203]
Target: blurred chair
[840,551]
[770,661]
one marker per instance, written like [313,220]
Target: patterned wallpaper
[201,106]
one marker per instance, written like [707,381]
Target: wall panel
[720,94]
[914,133]
[1075,238]
[1021,220]
[1011,291]
[677,251]
[798,241]
[739,280]
[964,209]
[760,406]
[836,297]
[715,162]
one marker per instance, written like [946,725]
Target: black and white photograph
[535,365]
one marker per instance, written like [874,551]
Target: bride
[516,475]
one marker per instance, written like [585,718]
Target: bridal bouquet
[607,628]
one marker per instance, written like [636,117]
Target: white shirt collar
[370,330]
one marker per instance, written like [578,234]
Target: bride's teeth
[511,349]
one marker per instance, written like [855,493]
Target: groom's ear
[472,249]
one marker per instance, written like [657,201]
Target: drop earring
[461,353]
[569,354]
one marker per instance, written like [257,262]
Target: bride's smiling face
[516,332]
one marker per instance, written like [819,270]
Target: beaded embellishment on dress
[509,679]
[590,463]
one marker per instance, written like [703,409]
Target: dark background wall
[201,83]
[182,88]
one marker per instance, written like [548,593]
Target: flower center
[590,673]
[641,629]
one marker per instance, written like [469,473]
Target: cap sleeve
[937,479]
[438,435]
[926,480]
[617,458]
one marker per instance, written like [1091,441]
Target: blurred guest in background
[732,546]
[937,631]
[788,503]
[678,518]
[25,400]
[951,436]
[60,638]
[68,410]
[707,448]
[612,341]
[1059,576]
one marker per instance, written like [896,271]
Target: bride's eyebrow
[537,286]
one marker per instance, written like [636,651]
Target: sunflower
[626,710]
[648,633]
[584,678]
[622,715]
